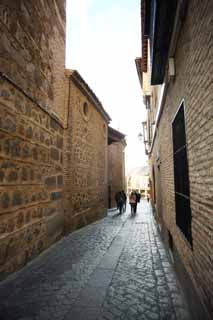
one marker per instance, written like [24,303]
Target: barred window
[181,177]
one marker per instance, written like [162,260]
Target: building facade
[32,56]
[85,155]
[176,63]
[116,164]
[53,136]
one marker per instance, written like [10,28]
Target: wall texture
[85,162]
[32,51]
[30,179]
[193,83]
[116,170]
[31,138]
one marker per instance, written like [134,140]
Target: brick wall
[193,83]
[85,162]
[31,140]
[116,169]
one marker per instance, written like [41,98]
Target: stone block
[2,175]
[55,226]
[54,154]
[9,125]
[4,93]
[19,106]
[35,153]
[54,125]
[26,152]
[50,182]
[7,164]
[20,219]
[29,133]
[17,198]
[59,142]
[60,180]
[12,176]
[5,200]
[3,253]
[28,110]
[24,174]
[56,195]
[12,147]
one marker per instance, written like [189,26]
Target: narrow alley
[116,268]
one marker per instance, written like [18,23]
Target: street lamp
[143,137]
[145,133]
[140,136]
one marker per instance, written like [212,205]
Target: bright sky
[103,39]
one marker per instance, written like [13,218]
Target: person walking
[132,202]
[116,199]
[125,198]
[120,201]
[138,198]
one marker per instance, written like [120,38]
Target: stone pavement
[114,269]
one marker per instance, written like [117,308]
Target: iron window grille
[181,176]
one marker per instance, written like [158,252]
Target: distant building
[85,155]
[138,179]
[116,164]
[175,72]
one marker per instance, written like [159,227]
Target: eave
[163,17]
[144,34]
[87,91]
[115,136]
[138,63]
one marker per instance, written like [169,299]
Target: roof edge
[83,86]
[138,63]
[115,136]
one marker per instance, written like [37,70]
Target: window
[4,15]
[153,185]
[170,240]
[85,109]
[181,177]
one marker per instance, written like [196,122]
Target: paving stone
[100,278]
[114,269]
[79,313]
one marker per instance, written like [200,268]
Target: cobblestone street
[116,268]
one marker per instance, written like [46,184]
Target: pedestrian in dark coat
[138,198]
[125,198]
[120,201]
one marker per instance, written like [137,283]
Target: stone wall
[32,51]
[85,152]
[31,138]
[193,83]
[31,180]
[116,171]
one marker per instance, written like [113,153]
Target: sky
[103,40]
